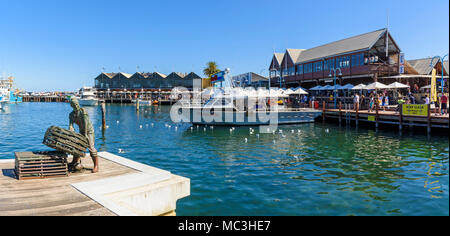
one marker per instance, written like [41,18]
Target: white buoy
[327,130]
[140,126]
[246,140]
[118,122]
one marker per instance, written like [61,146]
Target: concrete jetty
[122,188]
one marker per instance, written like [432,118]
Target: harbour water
[309,169]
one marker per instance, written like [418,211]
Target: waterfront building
[144,80]
[250,79]
[361,59]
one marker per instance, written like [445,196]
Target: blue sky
[62,45]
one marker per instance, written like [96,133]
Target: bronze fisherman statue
[80,117]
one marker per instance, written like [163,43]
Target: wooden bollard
[400,117]
[323,111]
[103,115]
[428,119]
[376,114]
[357,116]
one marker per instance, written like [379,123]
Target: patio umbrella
[397,85]
[359,87]
[300,92]
[375,86]
[348,86]
[318,87]
[327,87]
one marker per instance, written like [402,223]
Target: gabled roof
[356,43]
[159,74]
[422,66]
[292,56]
[109,75]
[276,60]
[294,53]
[175,75]
[123,74]
[192,75]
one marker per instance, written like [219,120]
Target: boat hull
[88,102]
[236,118]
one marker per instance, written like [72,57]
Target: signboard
[402,63]
[415,110]
[371,118]
[402,69]
[218,77]
[433,92]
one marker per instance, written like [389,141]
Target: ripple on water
[314,172]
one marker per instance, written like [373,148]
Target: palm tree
[210,69]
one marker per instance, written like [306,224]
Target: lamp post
[333,70]
[442,69]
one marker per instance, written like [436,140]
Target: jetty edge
[122,188]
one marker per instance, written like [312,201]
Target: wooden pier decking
[59,197]
[432,120]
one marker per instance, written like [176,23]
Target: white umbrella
[300,91]
[397,85]
[376,85]
[359,87]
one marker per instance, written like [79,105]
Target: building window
[291,71]
[299,69]
[307,68]
[358,60]
[343,62]
[329,64]
[317,66]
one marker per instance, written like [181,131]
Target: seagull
[121,151]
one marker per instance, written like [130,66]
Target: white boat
[87,97]
[234,106]
[4,93]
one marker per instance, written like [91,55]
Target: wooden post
[103,115]
[400,117]
[340,112]
[137,104]
[376,115]
[357,115]
[428,119]
[323,111]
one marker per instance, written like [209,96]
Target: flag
[433,92]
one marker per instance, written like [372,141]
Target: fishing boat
[87,97]
[228,105]
[7,94]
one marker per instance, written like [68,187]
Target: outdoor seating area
[389,96]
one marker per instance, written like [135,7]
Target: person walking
[356,102]
[444,101]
